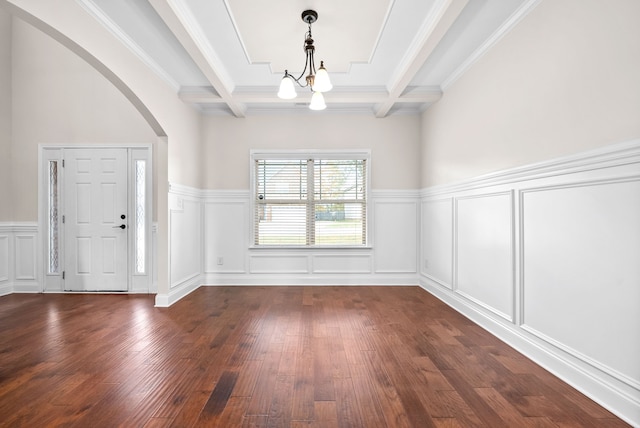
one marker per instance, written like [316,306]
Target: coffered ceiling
[383,56]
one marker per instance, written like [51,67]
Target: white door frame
[52,282]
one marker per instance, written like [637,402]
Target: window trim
[363,154]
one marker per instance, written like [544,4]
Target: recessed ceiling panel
[347,31]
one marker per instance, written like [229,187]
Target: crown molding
[119,34]
[504,29]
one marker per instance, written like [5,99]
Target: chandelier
[317,80]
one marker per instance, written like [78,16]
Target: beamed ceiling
[383,56]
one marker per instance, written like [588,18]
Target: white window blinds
[310,202]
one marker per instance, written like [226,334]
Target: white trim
[199,38]
[226,195]
[619,154]
[504,29]
[48,152]
[313,154]
[511,194]
[582,357]
[122,36]
[338,154]
[177,293]
[181,190]
[20,273]
[609,396]
[616,163]
[422,37]
[320,279]
[395,194]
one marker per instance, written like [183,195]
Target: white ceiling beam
[446,12]
[205,95]
[184,26]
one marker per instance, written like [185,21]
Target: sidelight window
[52,210]
[140,216]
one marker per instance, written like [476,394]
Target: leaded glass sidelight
[140,216]
[54,258]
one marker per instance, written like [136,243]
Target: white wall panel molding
[599,161]
[226,234]
[18,258]
[230,258]
[280,263]
[342,263]
[437,241]
[408,195]
[5,262]
[565,237]
[25,261]
[579,253]
[484,251]
[226,195]
[185,237]
[394,235]
[180,190]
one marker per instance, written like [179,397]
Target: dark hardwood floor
[270,357]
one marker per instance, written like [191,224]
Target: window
[140,216]
[53,218]
[312,200]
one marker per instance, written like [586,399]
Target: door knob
[122,226]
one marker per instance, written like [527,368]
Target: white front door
[96,224]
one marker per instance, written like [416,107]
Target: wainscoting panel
[185,223]
[437,241]
[4,258]
[226,236]
[342,263]
[484,251]
[395,236]
[581,272]
[6,286]
[18,258]
[554,272]
[283,263]
[230,258]
[25,257]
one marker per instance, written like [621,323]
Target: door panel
[95,183]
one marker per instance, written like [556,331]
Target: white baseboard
[309,280]
[178,292]
[26,287]
[6,289]
[607,392]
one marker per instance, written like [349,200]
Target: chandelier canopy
[317,80]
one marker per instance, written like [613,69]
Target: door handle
[122,226]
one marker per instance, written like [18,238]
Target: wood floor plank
[270,357]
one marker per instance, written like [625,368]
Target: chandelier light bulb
[322,83]
[317,101]
[287,89]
